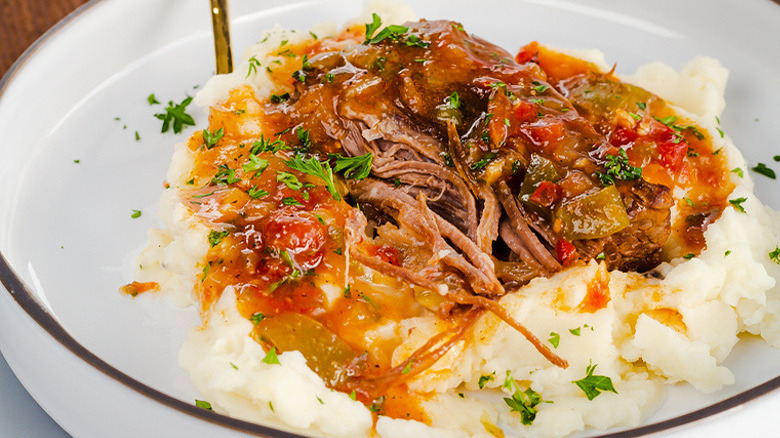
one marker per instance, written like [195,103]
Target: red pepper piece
[546,194]
[565,252]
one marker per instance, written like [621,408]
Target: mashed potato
[675,326]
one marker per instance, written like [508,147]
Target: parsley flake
[484,379]
[279,98]
[203,404]
[256,318]
[737,203]
[290,201]
[522,402]
[216,236]
[539,87]
[353,167]
[211,138]
[136,214]
[555,339]
[484,161]
[290,180]
[314,167]
[225,176]
[618,168]
[763,170]
[593,385]
[775,255]
[271,358]
[175,115]
[253,64]
[256,193]
[453,100]
[255,164]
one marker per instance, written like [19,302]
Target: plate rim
[24,297]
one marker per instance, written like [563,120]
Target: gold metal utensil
[221,25]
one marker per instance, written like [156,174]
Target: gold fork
[221,26]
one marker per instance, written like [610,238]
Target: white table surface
[20,415]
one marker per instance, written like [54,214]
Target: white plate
[102,364]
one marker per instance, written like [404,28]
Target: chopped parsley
[264,145]
[256,318]
[303,137]
[290,180]
[253,64]
[290,201]
[256,193]
[453,100]
[225,176]
[738,171]
[689,256]
[176,116]
[593,385]
[618,168]
[255,164]
[211,139]
[523,402]
[379,403]
[774,255]
[539,87]
[135,214]
[320,169]
[575,332]
[392,32]
[279,98]
[555,339]
[668,120]
[737,203]
[353,167]
[203,404]
[271,358]
[763,170]
[152,100]
[484,379]
[484,161]
[216,236]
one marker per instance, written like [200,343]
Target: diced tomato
[672,154]
[547,131]
[527,53]
[546,194]
[525,111]
[386,253]
[622,136]
[565,252]
[302,236]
